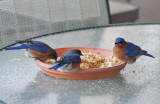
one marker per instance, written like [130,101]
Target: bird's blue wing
[54,53]
[39,46]
[132,50]
[66,59]
[22,46]
[70,58]
[34,45]
[76,58]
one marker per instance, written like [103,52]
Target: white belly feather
[65,68]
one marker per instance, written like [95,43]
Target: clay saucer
[84,74]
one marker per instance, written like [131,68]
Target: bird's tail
[23,46]
[146,54]
[55,67]
[149,55]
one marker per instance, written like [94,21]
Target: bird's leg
[36,58]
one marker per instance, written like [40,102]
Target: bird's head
[75,51]
[120,41]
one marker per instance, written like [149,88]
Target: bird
[69,61]
[127,51]
[37,49]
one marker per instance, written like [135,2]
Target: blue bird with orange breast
[37,49]
[69,61]
[127,51]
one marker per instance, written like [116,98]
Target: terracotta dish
[84,74]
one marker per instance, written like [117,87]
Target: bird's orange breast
[75,66]
[42,56]
[119,52]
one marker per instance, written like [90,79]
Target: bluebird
[37,50]
[127,51]
[69,61]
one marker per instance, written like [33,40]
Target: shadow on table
[1,102]
[70,91]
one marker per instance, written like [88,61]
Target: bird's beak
[116,43]
[81,54]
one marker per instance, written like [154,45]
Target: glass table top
[22,82]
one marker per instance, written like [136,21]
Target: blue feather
[39,46]
[23,46]
[67,58]
[149,55]
[55,67]
[54,52]
[134,50]
[35,45]
[71,58]
[119,39]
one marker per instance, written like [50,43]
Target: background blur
[149,10]
[23,19]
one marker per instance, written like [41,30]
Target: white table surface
[22,82]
